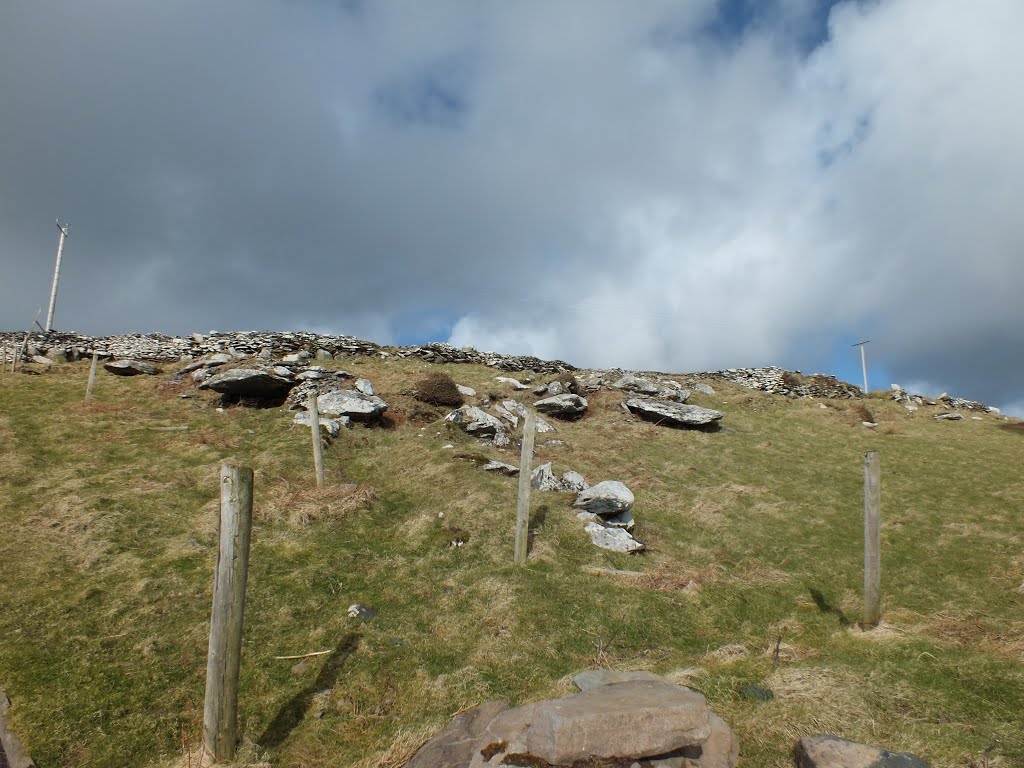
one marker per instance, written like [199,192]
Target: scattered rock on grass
[249,382]
[126,367]
[673,414]
[563,406]
[830,751]
[609,497]
[355,405]
[475,421]
[501,468]
[614,539]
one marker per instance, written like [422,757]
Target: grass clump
[438,389]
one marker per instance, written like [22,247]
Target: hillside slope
[752,575]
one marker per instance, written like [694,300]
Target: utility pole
[64,229]
[863,362]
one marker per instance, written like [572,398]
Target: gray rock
[514,383]
[323,354]
[501,468]
[556,388]
[518,408]
[361,612]
[633,383]
[614,539]
[280,370]
[297,357]
[563,406]
[364,386]
[542,479]
[47,362]
[829,751]
[314,374]
[220,358]
[248,382]
[622,520]
[574,482]
[58,354]
[673,414]
[704,389]
[948,417]
[466,391]
[201,375]
[355,405]
[507,415]
[541,390]
[475,421]
[130,368]
[501,439]
[331,426]
[609,497]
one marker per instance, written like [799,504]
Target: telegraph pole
[64,229]
[863,362]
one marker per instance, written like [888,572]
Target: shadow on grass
[291,714]
[826,607]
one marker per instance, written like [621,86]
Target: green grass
[755,538]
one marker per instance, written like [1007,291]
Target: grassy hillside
[753,575]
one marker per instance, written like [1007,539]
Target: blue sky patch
[435,94]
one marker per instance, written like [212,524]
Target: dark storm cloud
[655,185]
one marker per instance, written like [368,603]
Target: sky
[676,186]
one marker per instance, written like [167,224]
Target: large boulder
[630,720]
[130,368]
[249,382]
[563,406]
[617,719]
[673,414]
[829,751]
[609,497]
[475,421]
[355,405]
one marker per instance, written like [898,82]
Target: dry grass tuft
[307,505]
[728,653]
[438,389]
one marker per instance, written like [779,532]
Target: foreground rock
[609,497]
[832,752]
[614,721]
[673,414]
[129,368]
[475,421]
[249,382]
[612,538]
[331,426]
[355,405]
[563,406]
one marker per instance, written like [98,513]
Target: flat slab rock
[612,538]
[563,406]
[348,402]
[249,382]
[129,368]
[830,751]
[673,414]
[625,717]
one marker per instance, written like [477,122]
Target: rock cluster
[607,510]
[267,344]
[617,718]
[901,395]
[778,381]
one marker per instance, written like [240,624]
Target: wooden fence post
[3,361]
[872,540]
[523,508]
[92,375]
[318,454]
[234,527]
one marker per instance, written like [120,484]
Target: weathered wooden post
[3,361]
[523,508]
[872,540]
[92,375]
[234,526]
[318,454]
